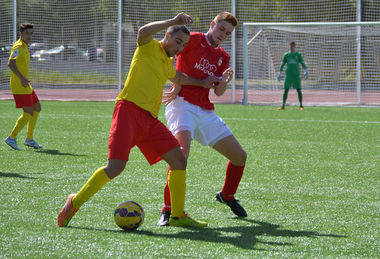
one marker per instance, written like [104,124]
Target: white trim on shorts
[204,125]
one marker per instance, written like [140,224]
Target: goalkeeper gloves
[279,76]
[306,74]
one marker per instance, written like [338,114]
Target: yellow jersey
[150,69]
[20,54]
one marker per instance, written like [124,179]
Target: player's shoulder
[196,34]
[223,52]
[153,43]
[285,55]
[18,44]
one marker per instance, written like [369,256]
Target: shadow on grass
[245,237]
[15,175]
[55,152]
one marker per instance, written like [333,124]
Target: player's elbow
[218,93]
[141,33]
[10,63]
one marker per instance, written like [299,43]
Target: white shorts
[204,125]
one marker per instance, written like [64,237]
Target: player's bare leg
[232,150]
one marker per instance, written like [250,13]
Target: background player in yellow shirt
[22,91]
[135,123]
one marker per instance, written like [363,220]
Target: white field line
[59,116]
[293,120]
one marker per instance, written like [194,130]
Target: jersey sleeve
[15,53]
[301,61]
[283,62]
[226,64]
[171,72]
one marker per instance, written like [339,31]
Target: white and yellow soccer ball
[129,215]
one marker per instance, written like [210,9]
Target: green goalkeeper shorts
[293,81]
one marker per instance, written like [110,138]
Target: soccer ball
[129,215]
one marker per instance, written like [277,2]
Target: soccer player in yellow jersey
[22,91]
[135,122]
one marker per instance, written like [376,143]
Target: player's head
[26,32]
[175,40]
[292,46]
[221,27]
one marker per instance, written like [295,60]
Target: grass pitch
[311,187]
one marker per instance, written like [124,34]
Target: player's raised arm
[146,32]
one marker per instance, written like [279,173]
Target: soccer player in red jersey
[190,114]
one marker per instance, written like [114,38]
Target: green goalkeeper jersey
[292,60]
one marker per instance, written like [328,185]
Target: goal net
[343,60]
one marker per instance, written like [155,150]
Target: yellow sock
[177,187]
[20,124]
[93,185]
[32,125]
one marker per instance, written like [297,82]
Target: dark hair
[292,43]
[226,16]
[25,26]
[176,28]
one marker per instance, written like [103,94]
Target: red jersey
[199,60]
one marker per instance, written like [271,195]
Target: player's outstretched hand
[306,74]
[183,19]
[227,75]
[171,95]
[279,76]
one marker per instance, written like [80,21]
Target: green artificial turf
[310,187]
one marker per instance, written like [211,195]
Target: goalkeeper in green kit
[292,75]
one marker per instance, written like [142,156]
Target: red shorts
[25,99]
[132,125]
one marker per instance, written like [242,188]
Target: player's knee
[28,110]
[114,169]
[243,158]
[240,159]
[179,163]
[185,152]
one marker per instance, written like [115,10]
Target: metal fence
[90,43]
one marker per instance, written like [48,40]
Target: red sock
[167,203]
[231,183]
